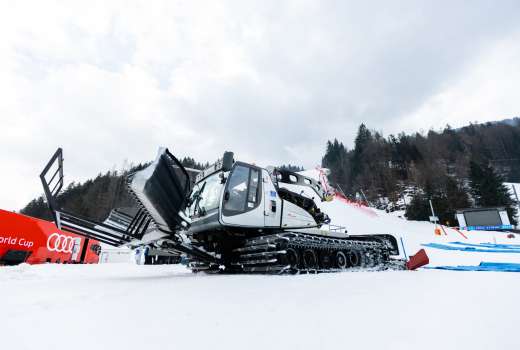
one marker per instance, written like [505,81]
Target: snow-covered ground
[126,306]
[514,190]
[123,306]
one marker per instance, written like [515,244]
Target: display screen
[483,218]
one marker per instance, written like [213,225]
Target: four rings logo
[60,243]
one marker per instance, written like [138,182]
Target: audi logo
[60,243]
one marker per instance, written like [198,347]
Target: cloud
[485,91]
[113,80]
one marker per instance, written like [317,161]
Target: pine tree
[418,208]
[488,189]
[337,159]
[446,200]
[457,198]
[364,136]
[37,208]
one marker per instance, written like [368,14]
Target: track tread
[267,254]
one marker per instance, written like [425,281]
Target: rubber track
[267,254]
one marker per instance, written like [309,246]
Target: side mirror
[227,161]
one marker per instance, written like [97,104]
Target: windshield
[209,197]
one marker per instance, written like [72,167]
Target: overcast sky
[111,81]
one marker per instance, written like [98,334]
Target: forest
[455,168]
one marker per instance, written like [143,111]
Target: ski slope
[126,306]
[123,306]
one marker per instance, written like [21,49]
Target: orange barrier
[418,260]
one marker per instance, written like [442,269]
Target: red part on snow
[367,210]
[418,260]
[35,241]
[462,234]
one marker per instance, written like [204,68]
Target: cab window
[209,197]
[242,190]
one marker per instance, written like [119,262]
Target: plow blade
[162,189]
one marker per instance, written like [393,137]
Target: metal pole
[404,250]
[365,197]
[341,191]
[433,213]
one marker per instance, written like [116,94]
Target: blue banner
[487,228]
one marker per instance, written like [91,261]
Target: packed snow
[128,306]
[123,306]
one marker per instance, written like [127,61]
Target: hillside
[453,167]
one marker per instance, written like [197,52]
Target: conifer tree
[488,189]
[337,159]
[418,208]
[363,138]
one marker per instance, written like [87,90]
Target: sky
[111,81]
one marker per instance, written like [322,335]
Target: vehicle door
[242,202]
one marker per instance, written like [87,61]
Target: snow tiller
[232,217]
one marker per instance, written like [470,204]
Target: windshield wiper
[197,198]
